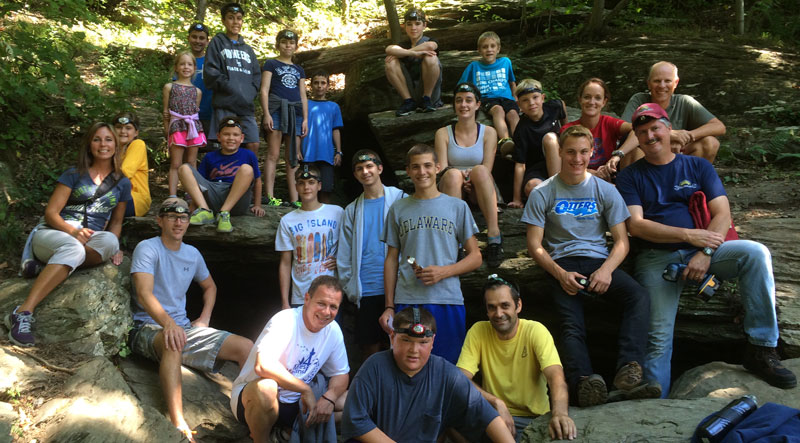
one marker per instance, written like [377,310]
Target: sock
[498,239]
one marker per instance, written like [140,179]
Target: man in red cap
[657,190]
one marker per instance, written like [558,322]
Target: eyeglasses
[175,217]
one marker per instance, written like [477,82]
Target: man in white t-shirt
[279,378]
[307,238]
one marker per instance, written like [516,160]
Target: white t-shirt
[313,237]
[303,353]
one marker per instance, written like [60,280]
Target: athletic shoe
[628,376]
[31,268]
[297,204]
[506,146]
[591,391]
[20,327]
[494,254]
[764,362]
[426,105]
[201,216]
[645,389]
[224,222]
[406,108]
[272,201]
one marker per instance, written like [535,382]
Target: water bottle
[722,421]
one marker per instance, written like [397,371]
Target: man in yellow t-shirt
[518,361]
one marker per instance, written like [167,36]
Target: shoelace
[25,321]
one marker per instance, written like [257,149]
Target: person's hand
[680,136]
[505,414]
[612,164]
[321,412]
[697,267]
[675,147]
[201,322]
[599,281]
[419,53]
[174,337]
[330,263]
[257,210]
[266,122]
[307,400]
[703,238]
[515,204]
[83,235]
[337,159]
[430,275]
[303,129]
[562,427]
[569,282]
[117,258]
[602,172]
[299,154]
[386,320]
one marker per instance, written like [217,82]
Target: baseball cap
[646,112]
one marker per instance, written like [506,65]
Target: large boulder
[90,311]
[724,380]
[632,421]
[206,398]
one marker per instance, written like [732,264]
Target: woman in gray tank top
[466,152]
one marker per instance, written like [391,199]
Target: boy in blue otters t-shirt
[223,180]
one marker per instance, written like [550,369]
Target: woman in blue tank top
[466,152]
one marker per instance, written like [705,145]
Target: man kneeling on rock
[162,270]
[297,371]
[567,216]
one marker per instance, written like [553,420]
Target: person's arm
[714,128]
[720,223]
[627,146]
[390,266]
[165,116]
[304,101]
[337,145]
[430,275]
[498,432]
[440,140]
[285,278]
[489,147]
[322,411]
[496,403]
[271,368]
[266,78]
[564,119]
[209,298]
[135,156]
[656,232]
[213,76]
[199,96]
[600,279]
[519,174]
[513,85]
[561,425]
[343,253]
[52,214]
[174,335]
[374,436]
[567,280]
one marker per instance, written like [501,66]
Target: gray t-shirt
[172,271]
[575,218]
[430,231]
[684,111]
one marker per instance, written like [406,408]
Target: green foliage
[135,72]
[775,19]
[782,150]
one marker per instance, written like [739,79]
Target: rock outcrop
[90,311]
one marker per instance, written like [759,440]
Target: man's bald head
[662,64]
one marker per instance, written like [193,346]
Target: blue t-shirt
[663,191]
[286,78]
[372,250]
[83,188]
[173,272]
[323,117]
[217,166]
[205,101]
[492,80]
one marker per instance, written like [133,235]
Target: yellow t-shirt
[512,369]
[134,166]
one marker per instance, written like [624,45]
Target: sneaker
[31,268]
[272,201]
[297,204]
[591,391]
[506,146]
[628,376]
[406,108]
[224,222]
[764,362]
[201,216]
[426,105]
[20,327]
[494,254]
[645,389]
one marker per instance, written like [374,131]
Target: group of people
[398,257]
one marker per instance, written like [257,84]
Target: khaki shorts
[200,351]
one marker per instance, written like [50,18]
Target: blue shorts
[451,328]
[298,121]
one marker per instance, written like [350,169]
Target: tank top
[464,157]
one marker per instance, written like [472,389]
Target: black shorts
[287,412]
[326,171]
[539,170]
[506,104]
[368,329]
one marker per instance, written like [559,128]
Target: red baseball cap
[646,112]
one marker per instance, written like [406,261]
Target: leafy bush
[134,72]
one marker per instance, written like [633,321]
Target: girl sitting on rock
[82,223]
[466,151]
[133,153]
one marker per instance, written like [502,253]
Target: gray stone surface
[632,421]
[20,372]
[98,406]
[90,311]
[206,399]
[727,381]
[7,418]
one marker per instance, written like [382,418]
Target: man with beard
[518,361]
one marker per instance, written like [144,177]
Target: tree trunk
[739,17]
[394,21]
[596,20]
[200,16]
[345,9]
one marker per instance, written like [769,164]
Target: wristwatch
[618,153]
[708,251]
[338,153]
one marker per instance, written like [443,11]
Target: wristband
[618,153]
[338,153]
[389,307]
[326,398]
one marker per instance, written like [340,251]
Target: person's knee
[530,185]
[392,64]
[453,177]
[430,62]
[266,391]
[184,169]
[550,141]
[245,170]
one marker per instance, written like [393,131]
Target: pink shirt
[606,134]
